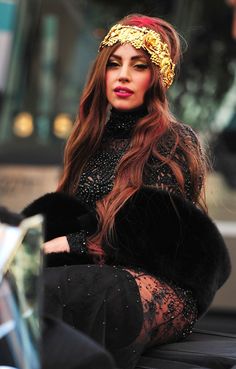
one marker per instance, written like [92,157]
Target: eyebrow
[135,57]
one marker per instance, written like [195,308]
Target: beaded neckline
[121,123]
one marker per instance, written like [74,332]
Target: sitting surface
[202,350]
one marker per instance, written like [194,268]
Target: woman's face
[128,77]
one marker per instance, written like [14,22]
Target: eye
[141,66]
[112,64]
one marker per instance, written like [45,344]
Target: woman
[129,211]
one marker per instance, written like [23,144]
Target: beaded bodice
[99,173]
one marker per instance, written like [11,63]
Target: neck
[139,110]
[122,122]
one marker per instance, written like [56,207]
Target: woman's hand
[58,244]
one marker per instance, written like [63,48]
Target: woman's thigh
[169,311]
[101,301]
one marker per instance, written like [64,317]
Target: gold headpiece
[149,40]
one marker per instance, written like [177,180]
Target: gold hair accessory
[150,41]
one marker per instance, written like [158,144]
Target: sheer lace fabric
[99,173]
[169,312]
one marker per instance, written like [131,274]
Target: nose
[124,73]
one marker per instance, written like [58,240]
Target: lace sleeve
[160,175]
[78,242]
[193,143]
[78,254]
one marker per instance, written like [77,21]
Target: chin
[126,106]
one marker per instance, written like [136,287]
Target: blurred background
[46,50]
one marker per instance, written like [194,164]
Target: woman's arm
[58,244]
[68,224]
[161,175]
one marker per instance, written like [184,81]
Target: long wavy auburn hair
[151,129]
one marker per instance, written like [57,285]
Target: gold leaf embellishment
[149,40]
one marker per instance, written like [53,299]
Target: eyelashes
[115,64]
[112,64]
[141,66]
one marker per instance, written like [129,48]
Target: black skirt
[125,311]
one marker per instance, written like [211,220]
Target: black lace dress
[124,308]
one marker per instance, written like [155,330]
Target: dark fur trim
[168,236]
[10,218]
[162,233]
[64,214]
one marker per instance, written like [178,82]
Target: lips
[123,91]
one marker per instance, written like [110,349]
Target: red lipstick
[121,91]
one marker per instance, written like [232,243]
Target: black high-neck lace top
[99,173]
[166,312]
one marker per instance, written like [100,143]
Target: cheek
[108,82]
[107,85]
[145,84]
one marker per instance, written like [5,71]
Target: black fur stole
[170,237]
[63,214]
[155,230]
